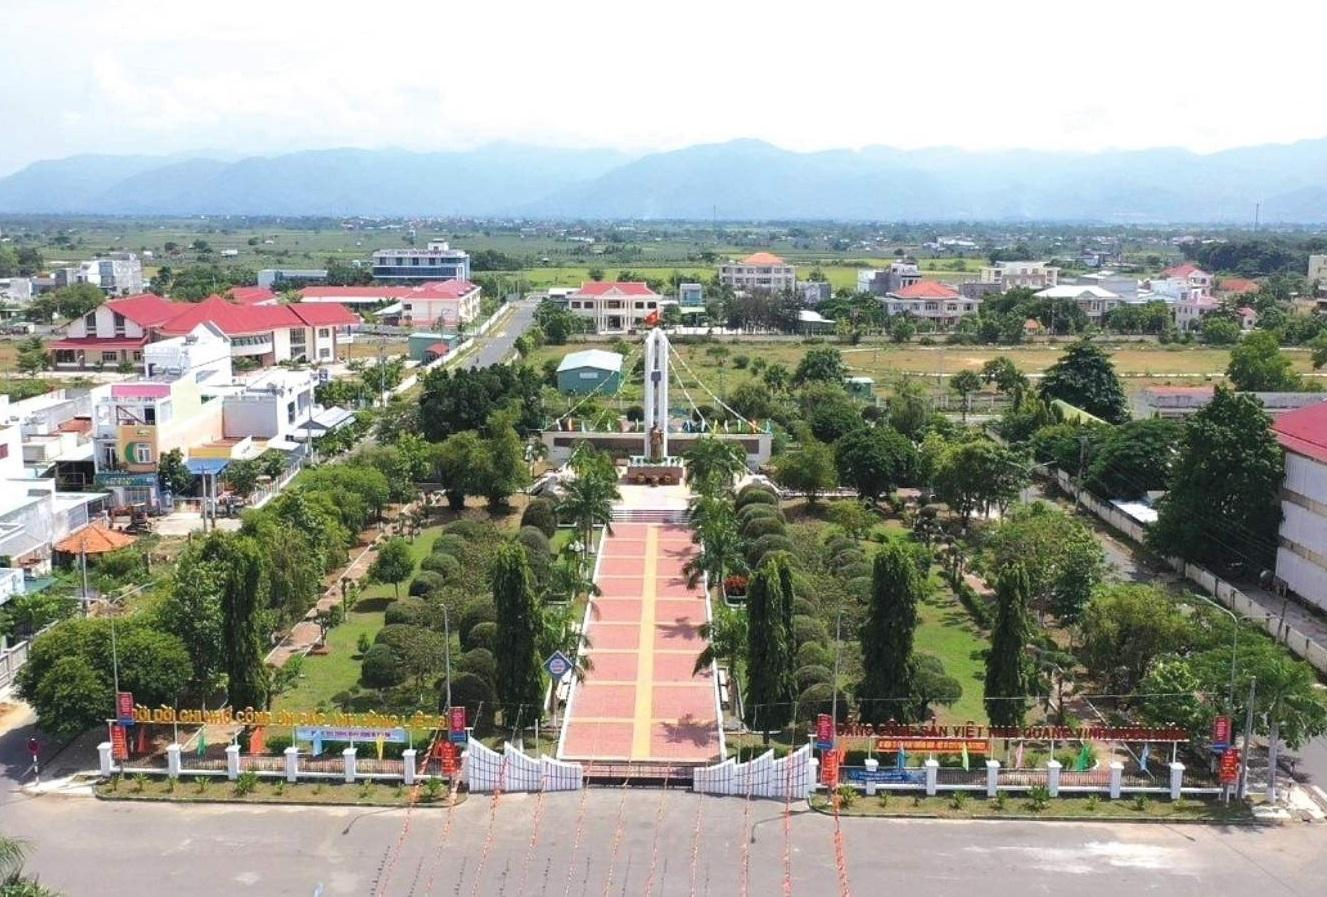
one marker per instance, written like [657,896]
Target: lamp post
[447,653]
[1234,646]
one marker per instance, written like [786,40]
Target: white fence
[786,778]
[1299,643]
[486,770]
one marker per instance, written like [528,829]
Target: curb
[222,799]
[1022,817]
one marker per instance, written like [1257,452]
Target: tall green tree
[713,464]
[519,681]
[192,610]
[1008,675]
[873,461]
[965,383]
[808,469]
[821,364]
[1007,378]
[771,688]
[1257,364]
[393,564]
[1085,378]
[887,690]
[587,502]
[977,475]
[1134,459]
[244,593]
[1223,509]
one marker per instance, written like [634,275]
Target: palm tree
[713,464]
[587,503]
[725,636]
[568,577]
[558,632]
[13,883]
[721,547]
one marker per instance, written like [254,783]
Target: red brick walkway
[641,702]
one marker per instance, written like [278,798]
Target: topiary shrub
[762,526]
[481,635]
[809,629]
[533,539]
[542,514]
[765,545]
[450,543]
[472,692]
[752,494]
[812,654]
[860,587]
[464,528]
[812,675]
[819,698]
[478,610]
[757,509]
[479,661]
[427,582]
[445,565]
[394,635]
[409,611]
[803,606]
[839,543]
[380,668]
[846,557]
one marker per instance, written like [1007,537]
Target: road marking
[640,736]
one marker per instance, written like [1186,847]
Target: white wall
[11,447]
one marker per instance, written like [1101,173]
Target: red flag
[142,740]
[652,319]
[256,744]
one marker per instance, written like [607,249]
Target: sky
[255,78]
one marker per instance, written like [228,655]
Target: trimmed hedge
[809,630]
[380,668]
[762,526]
[757,509]
[756,496]
[815,674]
[445,565]
[812,654]
[479,661]
[427,582]
[482,635]
[408,611]
[534,539]
[542,514]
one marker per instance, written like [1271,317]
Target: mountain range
[737,180]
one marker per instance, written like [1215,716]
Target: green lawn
[1017,805]
[327,674]
[945,629]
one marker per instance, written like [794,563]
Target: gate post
[872,767]
[408,766]
[992,777]
[232,761]
[1053,777]
[932,776]
[348,755]
[292,763]
[1176,780]
[1116,779]
[104,761]
[173,760]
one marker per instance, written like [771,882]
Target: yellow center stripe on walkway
[640,733]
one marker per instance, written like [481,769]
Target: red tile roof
[232,319]
[623,288]
[1304,431]
[763,258]
[1183,270]
[434,289]
[250,295]
[324,314]
[926,289]
[1239,285]
[145,309]
[439,349]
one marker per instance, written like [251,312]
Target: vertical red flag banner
[448,757]
[119,744]
[457,720]
[824,732]
[829,769]
[124,707]
[1221,730]
[1230,766]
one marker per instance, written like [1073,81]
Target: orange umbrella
[95,538]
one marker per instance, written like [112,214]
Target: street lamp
[1234,645]
[447,652]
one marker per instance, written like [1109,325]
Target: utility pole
[1248,739]
[1082,461]
[834,685]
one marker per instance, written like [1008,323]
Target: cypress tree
[244,593]
[769,654]
[887,690]
[519,681]
[1007,673]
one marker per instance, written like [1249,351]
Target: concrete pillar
[932,776]
[232,761]
[1053,777]
[408,766]
[1116,779]
[1176,780]
[992,777]
[872,767]
[349,756]
[173,763]
[813,780]
[292,764]
[105,764]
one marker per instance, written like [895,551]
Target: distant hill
[742,179]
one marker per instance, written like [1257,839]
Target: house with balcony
[617,307]
[1190,275]
[882,282]
[932,301]
[112,334]
[759,272]
[1093,301]
[437,261]
[1007,275]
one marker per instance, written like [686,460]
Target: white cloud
[270,76]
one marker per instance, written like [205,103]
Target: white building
[1035,275]
[1094,301]
[1301,554]
[1188,275]
[1190,311]
[932,301]
[203,354]
[270,407]
[114,333]
[617,307]
[882,282]
[436,262]
[446,303]
[120,274]
[762,271]
[15,289]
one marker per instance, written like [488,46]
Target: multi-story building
[690,296]
[269,334]
[270,407]
[202,355]
[932,301]
[437,262]
[15,289]
[882,282]
[446,303]
[814,292]
[1034,275]
[119,274]
[760,272]
[617,307]
[1190,275]
[1190,310]
[1301,554]
[112,334]
[1093,301]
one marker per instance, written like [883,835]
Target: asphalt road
[632,843]
[493,347]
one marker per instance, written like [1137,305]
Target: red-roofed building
[1237,286]
[1191,275]
[1301,555]
[269,333]
[616,307]
[931,300]
[759,272]
[112,334]
[439,303]
[251,295]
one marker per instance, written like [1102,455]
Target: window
[142,453]
[407,306]
[324,332]
[65,356]
[138,356]
[110,356]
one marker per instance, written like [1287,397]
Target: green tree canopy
[1257,364]
[874,461]
[1008,673]
[808,469]
[1085,378]
[519,681]
[887,690]
[821,364]
[393,564]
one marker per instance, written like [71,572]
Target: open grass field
[1138,364]
[945,629]
[327,674]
